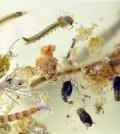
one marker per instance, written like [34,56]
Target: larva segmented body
[12,16]
[18,115]
[62,21]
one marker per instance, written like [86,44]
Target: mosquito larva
[18,115]
[62,21]
[11,16]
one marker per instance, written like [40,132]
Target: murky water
[60,117]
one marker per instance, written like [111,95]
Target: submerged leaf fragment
[94,45]
[4,65]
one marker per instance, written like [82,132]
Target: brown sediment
[69,71]
[11,16]
[47,62]
[114,61]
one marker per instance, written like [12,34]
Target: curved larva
[62,21]
[18,115]
[11,16]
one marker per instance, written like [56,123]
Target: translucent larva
[20,115]
[62,21]
[11,16]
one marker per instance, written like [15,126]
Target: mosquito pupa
[66,91]
[84,117]
[11,16]
[62,21]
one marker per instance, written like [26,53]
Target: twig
[43,79]
[112,61]
[72,46]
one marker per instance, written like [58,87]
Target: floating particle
[84,33]
[44,107]
[44,98]
[71,116]
[99,105]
